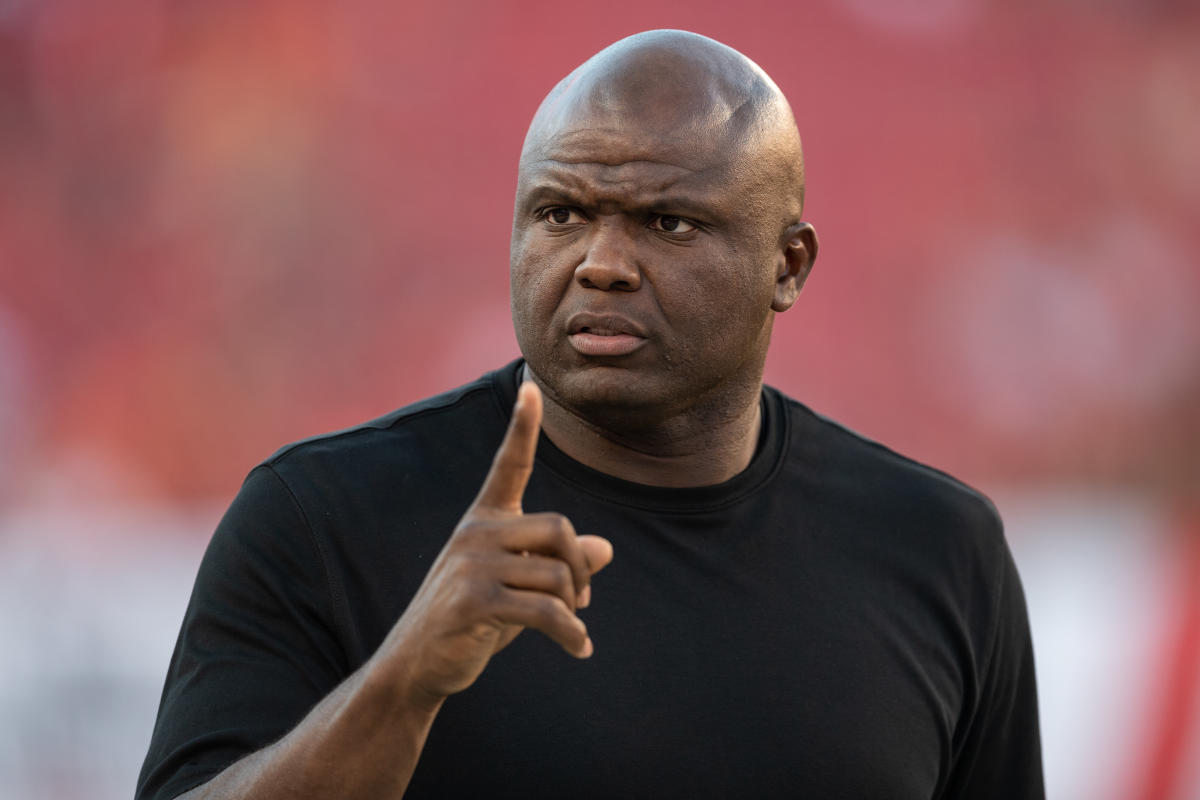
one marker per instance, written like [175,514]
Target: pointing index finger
[505,482]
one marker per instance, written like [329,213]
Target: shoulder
[455,414]
[910,523]
[425,447]
[891,494]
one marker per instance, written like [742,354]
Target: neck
[697,448]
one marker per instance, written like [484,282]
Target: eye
[671,224]
[562,215]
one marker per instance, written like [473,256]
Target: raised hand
[501,571]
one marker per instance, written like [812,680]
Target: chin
[603,385]
[599,386]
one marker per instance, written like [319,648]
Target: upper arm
[999,753]
[257,648]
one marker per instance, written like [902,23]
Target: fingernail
[588,648]
[585,597]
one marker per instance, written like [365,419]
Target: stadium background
[226,225]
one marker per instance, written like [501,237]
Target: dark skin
[671,217]
[653,242]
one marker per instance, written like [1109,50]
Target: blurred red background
[227,225]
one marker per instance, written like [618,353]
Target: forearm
[362,741]
[500,572]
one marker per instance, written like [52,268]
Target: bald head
[680,89]
[656,233]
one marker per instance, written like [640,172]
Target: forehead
[632,155]
[697,128]
[688,147]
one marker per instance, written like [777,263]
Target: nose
[610,263]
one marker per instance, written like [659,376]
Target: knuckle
[564,579]
[562,532]
[472,589]
[463,563]
[510,462]
[547,611]
[475,531]
[468,529]
[470,574]
[488,593]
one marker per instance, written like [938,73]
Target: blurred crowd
[227,225]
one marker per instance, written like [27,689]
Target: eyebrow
[551,188]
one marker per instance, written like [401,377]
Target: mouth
[604,335]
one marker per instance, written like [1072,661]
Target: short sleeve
[999,753]
[258,647]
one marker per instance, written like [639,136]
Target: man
[793,611]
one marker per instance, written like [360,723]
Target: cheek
[724,297]
[537,284]
[722,314]
[533,281]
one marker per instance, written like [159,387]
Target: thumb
[598,551]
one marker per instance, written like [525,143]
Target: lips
[604,335]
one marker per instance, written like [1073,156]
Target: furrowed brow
[551,193]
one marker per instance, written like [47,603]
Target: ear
[795,262]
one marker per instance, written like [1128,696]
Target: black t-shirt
[836,621]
